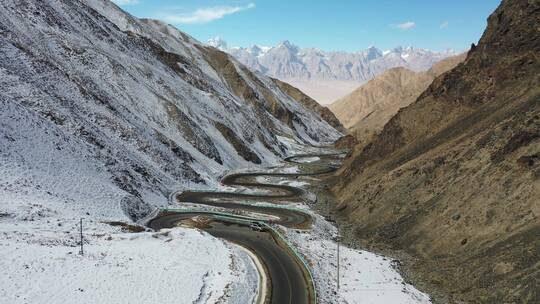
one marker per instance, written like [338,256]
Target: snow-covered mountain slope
[102,112]
[337,72]
[102,116]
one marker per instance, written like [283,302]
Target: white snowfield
[365,277]
[171,266]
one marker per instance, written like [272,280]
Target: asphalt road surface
[286,273]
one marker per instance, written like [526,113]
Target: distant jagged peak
[288,45]
[372,52]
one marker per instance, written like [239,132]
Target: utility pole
[82,250]
[338,240]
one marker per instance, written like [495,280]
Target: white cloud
[125,2]
[444,25]
[208,14]
[406,25]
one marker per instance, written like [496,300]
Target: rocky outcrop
[452,179]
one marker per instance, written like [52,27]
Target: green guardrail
[298,256]
[246,221]
[215,213]
[263,205]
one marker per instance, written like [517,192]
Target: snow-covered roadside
[42,196]
[171,266]
[365,277]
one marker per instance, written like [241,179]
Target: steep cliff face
[144,108]
[453,179]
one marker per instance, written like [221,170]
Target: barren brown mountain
[453,180]
[367,109]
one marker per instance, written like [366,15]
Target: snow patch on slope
[365,277]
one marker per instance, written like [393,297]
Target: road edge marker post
[81,252]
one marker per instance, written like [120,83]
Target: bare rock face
[135,208]
[452,179]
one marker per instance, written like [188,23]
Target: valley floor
[41,264]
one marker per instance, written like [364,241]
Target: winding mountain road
[288,277]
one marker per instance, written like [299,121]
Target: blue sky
[347,25]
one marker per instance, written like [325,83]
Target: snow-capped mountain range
[311,69]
